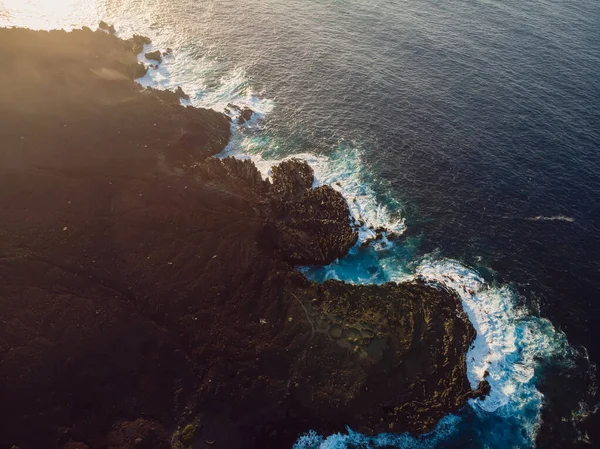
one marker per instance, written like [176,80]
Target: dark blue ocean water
[471,126]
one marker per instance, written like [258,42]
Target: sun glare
[48,14]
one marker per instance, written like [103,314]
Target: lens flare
[48,14]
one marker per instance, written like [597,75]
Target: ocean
[469,129]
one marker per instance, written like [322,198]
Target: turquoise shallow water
[471,129]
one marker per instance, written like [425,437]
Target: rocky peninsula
[149,296]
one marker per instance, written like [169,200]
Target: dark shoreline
[149,287]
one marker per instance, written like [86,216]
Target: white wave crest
[552,218]
[507,344]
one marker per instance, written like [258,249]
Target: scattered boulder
[231,106]
[483,389]
[110,29]
[245,115]
[154,55]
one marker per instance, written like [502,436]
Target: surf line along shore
[149,292]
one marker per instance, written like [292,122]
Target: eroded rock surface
[154,55]
[244,114]
[145,285]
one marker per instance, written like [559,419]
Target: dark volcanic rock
[137,43]
[145,286]
[313,230]
[141,434]
[75,445]
[292,179]
[308,226]
[154,55]
[106,27]
[245,115]
[170,96]
[246,171]
[383,353]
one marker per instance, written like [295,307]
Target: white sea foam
[204,81]
[552,218]
[429,440]
[507,343]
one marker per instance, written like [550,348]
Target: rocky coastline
[149,296]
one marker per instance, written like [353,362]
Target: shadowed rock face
[154,56]
[144,286]
[311,225]
[244,114]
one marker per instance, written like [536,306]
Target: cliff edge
[148,295]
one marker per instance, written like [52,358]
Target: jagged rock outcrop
[106,27]
[306,226]
[313,230]
[246,171]
[145,286]
[244,114]
[154,55]
[137,43]
[292,179]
